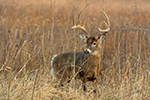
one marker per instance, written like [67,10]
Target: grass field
[33,31]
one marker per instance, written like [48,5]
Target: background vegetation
[32,31]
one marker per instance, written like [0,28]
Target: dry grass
[32,31]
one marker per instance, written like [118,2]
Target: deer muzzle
[87,51]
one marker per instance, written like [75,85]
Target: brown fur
[86,64]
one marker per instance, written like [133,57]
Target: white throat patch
[94,53]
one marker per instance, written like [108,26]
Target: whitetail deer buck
[86,62]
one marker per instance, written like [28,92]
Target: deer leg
[83,84]
[93,79]
[63,79]
[95,85]
[62,82]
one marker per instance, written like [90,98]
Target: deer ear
[103,36]
[83,37]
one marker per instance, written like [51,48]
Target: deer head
[92,42]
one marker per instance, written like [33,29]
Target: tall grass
[32,32]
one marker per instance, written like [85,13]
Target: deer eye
[94,43]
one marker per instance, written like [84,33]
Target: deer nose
[87,51]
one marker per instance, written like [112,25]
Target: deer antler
[79,26]
[107,24]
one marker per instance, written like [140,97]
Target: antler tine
[79,19]
[85,22]
[79,26]
[107,24]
